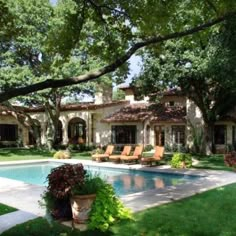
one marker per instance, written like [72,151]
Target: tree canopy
[37,39]
[202,66]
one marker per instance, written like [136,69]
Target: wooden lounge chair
[157,156]
[126,151]
[136,155]
[105,155]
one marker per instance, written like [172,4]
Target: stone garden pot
[81,207]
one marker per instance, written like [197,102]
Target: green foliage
[107,209]
[98,151]
[92,184]
[118,95]
[72,38]
[181,160]
[198,138]
[148,148]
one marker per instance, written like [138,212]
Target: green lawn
[16,154]
[214,162]
[4,209]
[210,213]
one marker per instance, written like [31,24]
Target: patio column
[65,139]
[43,126]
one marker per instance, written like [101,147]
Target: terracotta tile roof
[78,106]
[129,113]
[141,112]
[163,113]
[6,111]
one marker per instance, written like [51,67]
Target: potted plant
[56,198]
[83,196]
[92,199]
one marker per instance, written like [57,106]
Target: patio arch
[77,130]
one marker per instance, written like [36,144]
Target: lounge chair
[157,156]
[105,155]
[126,151]
[135,156]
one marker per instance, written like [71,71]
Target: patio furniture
[126,151]
[135,156]
[157,156]
[104,156]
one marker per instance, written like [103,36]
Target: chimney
[103,94]
[129,93]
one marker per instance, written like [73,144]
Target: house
[175,121]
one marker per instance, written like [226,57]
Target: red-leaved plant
[230,159]
[61,180]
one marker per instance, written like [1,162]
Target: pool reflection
[126,184]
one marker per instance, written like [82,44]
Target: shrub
[98,151]
[230,159]
[62,155]
[181,160]
[148,148]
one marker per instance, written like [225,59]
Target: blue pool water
[124,181]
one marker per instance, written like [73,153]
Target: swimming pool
[124,181]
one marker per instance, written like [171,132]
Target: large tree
[43,37]
[203,66]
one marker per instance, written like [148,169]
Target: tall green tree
[108,32]
[203,66]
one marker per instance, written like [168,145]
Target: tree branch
[92,75]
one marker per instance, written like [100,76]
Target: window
[219,134]
[8,132]
[178,134]
[124,134]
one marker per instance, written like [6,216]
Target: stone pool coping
[25,196]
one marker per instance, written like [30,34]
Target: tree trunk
[53,114]
[208,136]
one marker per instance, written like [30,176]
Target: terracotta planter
[81,206]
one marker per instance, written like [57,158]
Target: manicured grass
[213,162]
[16,154]
[41,226]
[209,213]
[4,209]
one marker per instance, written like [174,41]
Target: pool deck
[26,197]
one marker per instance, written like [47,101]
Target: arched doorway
[77,130]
